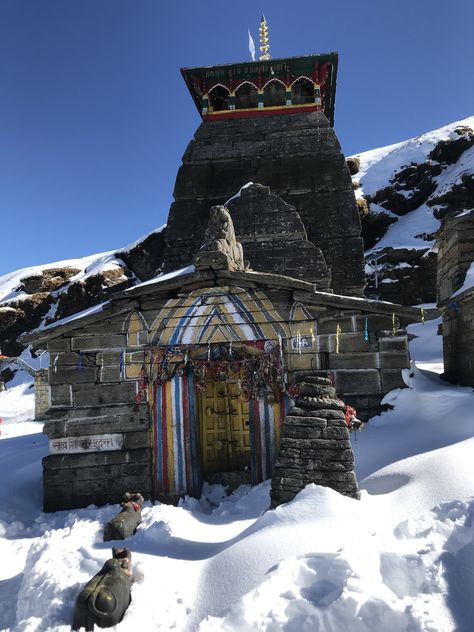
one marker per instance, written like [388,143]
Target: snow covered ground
[400,559]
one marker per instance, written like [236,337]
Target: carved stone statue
[221,250]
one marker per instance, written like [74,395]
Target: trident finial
[264,45]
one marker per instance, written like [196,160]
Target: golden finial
[264,45]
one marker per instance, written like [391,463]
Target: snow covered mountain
[404,191]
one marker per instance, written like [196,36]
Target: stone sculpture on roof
[221,250]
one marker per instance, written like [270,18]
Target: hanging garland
[254,373]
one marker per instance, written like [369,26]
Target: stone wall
[364,360]
[93,387]
[455,242]
[299,157]
[458,340]
[41,394]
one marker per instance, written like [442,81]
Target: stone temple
[236,362]
[270,122]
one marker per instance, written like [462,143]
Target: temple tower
[269,122]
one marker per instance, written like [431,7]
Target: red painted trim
[233,114]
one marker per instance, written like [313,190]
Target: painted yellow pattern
[218,315]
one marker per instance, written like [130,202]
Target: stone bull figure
[125,523]
[105,598]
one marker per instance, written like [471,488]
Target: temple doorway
[224,432]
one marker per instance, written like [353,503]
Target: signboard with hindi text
[92,443]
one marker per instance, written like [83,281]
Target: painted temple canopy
[214,315]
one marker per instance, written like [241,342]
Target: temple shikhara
[248,354]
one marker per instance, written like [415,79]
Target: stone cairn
[315,445]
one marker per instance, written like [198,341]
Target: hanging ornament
[366,329]
[121,363]
[208,351]
[338,333]
[280,345]
[298,342]
[313,337]
[422,315]
[394,324]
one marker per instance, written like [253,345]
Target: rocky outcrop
[315,445]
[145,258]
[48,281]
[409,188]
[405,276]
[456,200]
[20,316]
[418,192]
[353,164]
[93,290]
[450,150]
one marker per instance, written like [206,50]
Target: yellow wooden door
[224,421]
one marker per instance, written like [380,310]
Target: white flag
[251,47]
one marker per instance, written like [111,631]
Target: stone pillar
[315,445]
[41,394]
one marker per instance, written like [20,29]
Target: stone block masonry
[298,156]
[315,445]
[41,394]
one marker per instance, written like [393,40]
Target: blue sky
[95,115]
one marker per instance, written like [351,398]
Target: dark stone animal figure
[125,523]
[104,600]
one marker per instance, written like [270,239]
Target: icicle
[394,323]
[208,351]
[422,315]
[230,350]
[298,342]
[366,329]
[55,364]
[338,333]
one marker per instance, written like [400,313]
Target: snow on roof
[237,195]
[468,281]
[95,309]
[163,277]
